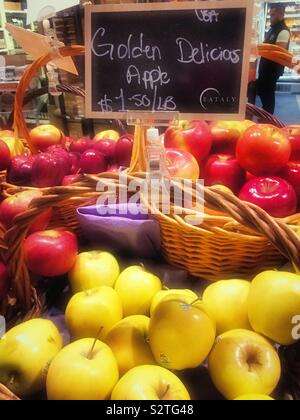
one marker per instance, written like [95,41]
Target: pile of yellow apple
[130,336]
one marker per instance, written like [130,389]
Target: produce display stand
[235,236]
[243,240]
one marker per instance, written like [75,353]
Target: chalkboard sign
[187,57]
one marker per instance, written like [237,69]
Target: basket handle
[19,121]
[277,231]
[75,90]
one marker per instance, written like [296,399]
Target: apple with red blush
[50,253]
[224,170]
[44,136]
[92,162]
[5,157]
[81,145]
[263,150]
[108,148]
[291,173]
[191,136]
[273,194]
[182,164]
[48,170]
[18,204]
[123,151]
[293,132]
[20,170]
[4,281]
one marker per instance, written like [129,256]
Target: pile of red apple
[59,160]
[260,163]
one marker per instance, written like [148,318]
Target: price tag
[183,57]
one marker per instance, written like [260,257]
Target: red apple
[291,173]
[5,157]
[273,194]
[70,179]
[124,149]
[47,171]
[249,176]
[294,138]
[67,141]
[20,170]
[81,145]
[50,253]
[19,203]
[182,164]
[92,162]
[108,148]
[192,136]
[224,170]
[113,168]
[226,134]
[74,160]
[263,150]
[61,154]
[44,136]
[4,281]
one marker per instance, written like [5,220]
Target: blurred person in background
[269,72]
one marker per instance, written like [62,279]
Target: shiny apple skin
[92,162]
[45,136]
[20,170]
[191,136]
[50,253]
[5,156]
[291,173]
[273,194]
[224,170]
[47,171]
[294,138]
[263,150]
[123,151]
[182,164]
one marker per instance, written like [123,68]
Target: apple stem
[142,265]
[90,353]
[12,380]
[195,301]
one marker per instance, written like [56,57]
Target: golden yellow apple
[274,303]
[163,295]
[227,302]
[93,310]
[15,145]
[107,134]
[254,397]
[129,342]
[243,362]
[93,269]
[136,288]
[150,383]
[181,333]
[25,353]
[83,370]
[223,188]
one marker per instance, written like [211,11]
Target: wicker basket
[241,241]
